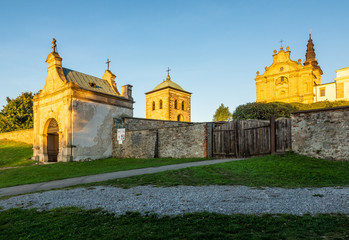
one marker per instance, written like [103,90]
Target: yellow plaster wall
[342,84]
[168,111]
[330,92]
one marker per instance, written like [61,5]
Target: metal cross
[54,45]
[108,63]
[281,41]
[168,71]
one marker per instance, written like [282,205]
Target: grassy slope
[73,223]
[43,173]
[292,170]
[15,154]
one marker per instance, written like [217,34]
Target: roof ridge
[82,73]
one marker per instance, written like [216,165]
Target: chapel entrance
[52,141]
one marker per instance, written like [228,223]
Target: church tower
[288,81]
[168,101]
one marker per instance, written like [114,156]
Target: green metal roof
[168,83]
[88,82]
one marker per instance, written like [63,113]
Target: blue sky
[214,48]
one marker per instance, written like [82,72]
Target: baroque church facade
[168,101]
[74,112]
[289,81]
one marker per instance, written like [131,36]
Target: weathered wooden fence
[244,138]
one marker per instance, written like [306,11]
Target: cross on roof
[281,41]
[54,45]
[168,71]
[108,63]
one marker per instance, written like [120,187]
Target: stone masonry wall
[183,142]
[25,136]
[137,144]
[153,138]
[132,124]
[322,133]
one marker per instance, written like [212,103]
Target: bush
[258,110]
[319,105]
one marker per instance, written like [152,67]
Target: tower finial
[108,63]
[168,73]
[54,45]
[281,41]
[309,33]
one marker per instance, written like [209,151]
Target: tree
[222,114]
[18,113]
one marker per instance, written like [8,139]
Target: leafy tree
[18,113]
[222,114]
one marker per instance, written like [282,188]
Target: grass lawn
[74,223]
[287,171]
[49,172]
[14,154]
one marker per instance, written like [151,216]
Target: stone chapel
[74,112]
[168,101]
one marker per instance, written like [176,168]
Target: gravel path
[183,199]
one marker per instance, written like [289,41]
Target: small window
[153,106]
[176,104]
[281,69]
[93,85]
[182,105]
[282,79]
[160,104]
[322,92]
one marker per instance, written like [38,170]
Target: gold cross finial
[54,45]
[168,71]
[108,63]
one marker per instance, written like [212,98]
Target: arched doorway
[52,141]
[180,118]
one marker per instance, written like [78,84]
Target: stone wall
[132,124]
[183,142]
[322,133]
[137,144]
[147,138]
[25,136]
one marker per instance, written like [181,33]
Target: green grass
[14,154]
[289,171]
[49,172]
[74,223]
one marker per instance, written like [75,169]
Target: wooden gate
[244,138]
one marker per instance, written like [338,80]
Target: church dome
[168,83]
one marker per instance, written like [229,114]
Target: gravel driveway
[183,199]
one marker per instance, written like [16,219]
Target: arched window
[153,106]
[176,104]
[180,118]
[182,105]
[160,103]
